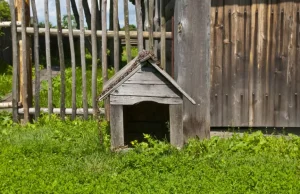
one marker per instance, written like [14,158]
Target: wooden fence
[255,63]
[21,79]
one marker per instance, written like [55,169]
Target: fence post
[25,79]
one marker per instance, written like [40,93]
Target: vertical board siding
[255,63]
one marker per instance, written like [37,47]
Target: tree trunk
[192,64]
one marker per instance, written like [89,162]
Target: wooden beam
[139,21]
[192,60]
[68,111]
[163,35]
[87,33]
[116,36]
[116,126]
[127,33]
[10,23]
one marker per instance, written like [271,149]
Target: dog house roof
[144,58]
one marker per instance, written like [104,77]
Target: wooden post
[176,125]
[36,60]
[83,62]
[139,21]
[15,91]
[127,33]
[94,56]
[116,36]
[163,35]
[73,60]
[150,12]
[104,52]
[23,9]
[192,45]
[48,57]
[61,61]
[116,126]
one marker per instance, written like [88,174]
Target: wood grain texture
[139,21]
[176,125]
[163,35]
[116,126]
[166,91]
[48,57]
[15,58]
[127,32]
[116,36]
[94,55]
[131,100]
[192,58]
[150,29]
[36,61]
[73,59]
[83,62]
[61,61]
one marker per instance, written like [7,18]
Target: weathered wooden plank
[146,90]
[252,62]
[69,111]
[48,57]
[297,69]
[73,59]
[36,60]
[24,87]
[176,125]
[247,43]
[15,58]
[192,38]
[227,112]
[61,61]
[88,33]
[163,35]
[131,100]
[116,36]
[139,21]
[94,55]
[83,62]
[150,29]
[127,32]
[147,77]
[282,92]
[260,65]
[156,25]
[291,71]
[116,126]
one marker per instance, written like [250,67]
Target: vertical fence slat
[48,57]
[127,32]
[36,60]
[104,53]
[116,36]
[83,62]
[156,25]
[24,64]
[61,61]
[151,10]
[146,22]
[139,22]
[15,57]
[73,60]
[213,23]
[94,55]
[163,34]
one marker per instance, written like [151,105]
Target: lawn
[66,157]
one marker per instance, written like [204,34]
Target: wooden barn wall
[255,63]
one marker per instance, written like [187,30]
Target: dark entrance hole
[146,118]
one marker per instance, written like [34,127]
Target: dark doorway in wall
[146,118]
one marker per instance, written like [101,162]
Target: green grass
[65,157]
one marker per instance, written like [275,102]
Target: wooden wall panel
[255,76]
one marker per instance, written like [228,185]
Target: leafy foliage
[4,11]
[5,79]
[66,157]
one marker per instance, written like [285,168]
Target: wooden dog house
[143,97]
